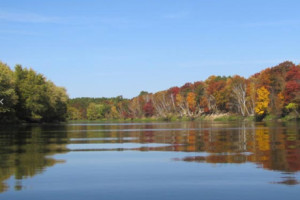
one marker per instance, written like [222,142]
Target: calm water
[150,161]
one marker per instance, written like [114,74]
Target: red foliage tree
[186,88]
[148,109]
[292,86]
[174,91]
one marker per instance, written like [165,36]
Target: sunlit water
[192,160]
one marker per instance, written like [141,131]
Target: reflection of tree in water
[25,151]
[273,148]
[288,180]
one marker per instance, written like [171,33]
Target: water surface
[190,160]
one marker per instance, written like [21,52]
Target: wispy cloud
[27,17]
[177,15]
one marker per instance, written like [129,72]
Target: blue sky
[109,48]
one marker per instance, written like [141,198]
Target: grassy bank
[224,117]
[214,117]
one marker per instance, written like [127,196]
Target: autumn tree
[191,101]
[204,105]
[163,103]
[262,101]
[123,109]
[186,88]
[148,109]
[29,96]
[114,114]
[136,106]
[180,102]
[199,90]
[217,93]
[277,76]
[238,87]
[173,92]
[292,87]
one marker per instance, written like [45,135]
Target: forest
[272,93]
[28,96]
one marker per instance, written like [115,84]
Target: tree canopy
[29,96]
[268,92]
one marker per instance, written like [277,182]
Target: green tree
[294,107]
[7,93]
[73,113]
[96,111]
[31,90]
[56,105]
[114,112]
[39,99]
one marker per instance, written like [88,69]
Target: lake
[180,160]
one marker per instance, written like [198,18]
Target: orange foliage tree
[191,101]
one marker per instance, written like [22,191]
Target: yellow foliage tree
[279,101]
[262,100]
[180,102]
[114,112]
[179,99]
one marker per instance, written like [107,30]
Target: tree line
[272,92]
[28,96]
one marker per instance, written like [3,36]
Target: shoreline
[222,117]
